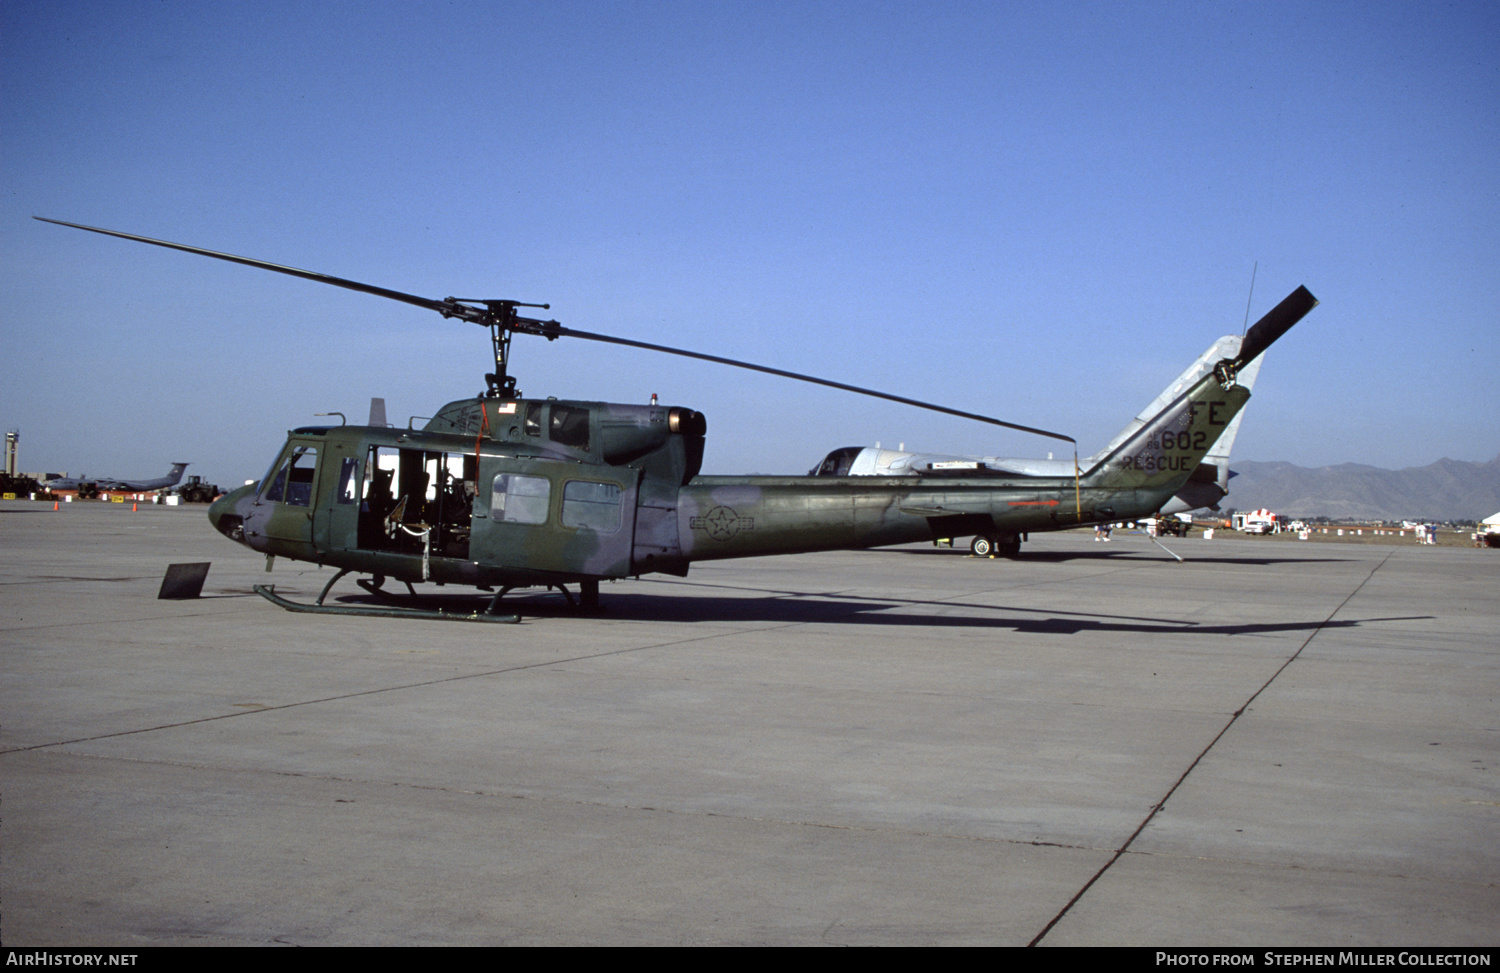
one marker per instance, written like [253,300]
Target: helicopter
[500,492]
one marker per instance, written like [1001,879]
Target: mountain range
[1449,489]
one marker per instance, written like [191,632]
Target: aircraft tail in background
[1206,485]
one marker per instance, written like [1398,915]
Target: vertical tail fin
[1231,363]
[1226,347]
[1242,355]
[1163,453]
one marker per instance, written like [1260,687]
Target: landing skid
[588,593]
[588,598]
[268,592]
[373,587]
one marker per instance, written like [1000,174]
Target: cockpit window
[292,482]
[838,462]
[349,481]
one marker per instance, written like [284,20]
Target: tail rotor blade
[1277,322]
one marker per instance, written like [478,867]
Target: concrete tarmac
[1270,744]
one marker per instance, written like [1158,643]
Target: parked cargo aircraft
[173,477]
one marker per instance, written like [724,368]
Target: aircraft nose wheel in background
[1006,545]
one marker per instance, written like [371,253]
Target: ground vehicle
[1256,522]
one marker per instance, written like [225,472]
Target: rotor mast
[503,321]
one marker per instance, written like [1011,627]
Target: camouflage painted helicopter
[501,492]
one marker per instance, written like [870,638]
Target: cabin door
[544,515]
[336,519]
[283,509]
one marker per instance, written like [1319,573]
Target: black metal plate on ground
[184,580]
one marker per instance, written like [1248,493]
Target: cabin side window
[520,499]
[595,506]
[569,426]
[291,484]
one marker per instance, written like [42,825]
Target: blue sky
[1034,211]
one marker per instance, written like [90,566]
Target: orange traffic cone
[54,505]
[134,507]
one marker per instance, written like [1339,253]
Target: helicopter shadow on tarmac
[791,607]
[1113,554]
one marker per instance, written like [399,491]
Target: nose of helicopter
[224,513]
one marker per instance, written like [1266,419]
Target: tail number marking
[1183,440]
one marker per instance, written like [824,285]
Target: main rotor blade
[353,285]
[550,329]
[590,336]
[1277,322]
